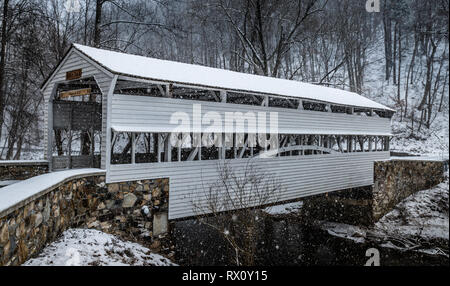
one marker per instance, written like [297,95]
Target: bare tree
[231,206]
[98,20]
[3,61]
[266,38]
[332,43]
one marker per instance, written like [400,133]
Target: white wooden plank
[300,176]
[154,114]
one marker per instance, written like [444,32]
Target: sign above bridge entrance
[78,92]
[75,74]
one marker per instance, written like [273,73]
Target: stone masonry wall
[395,180]
[134,209]
[125,209]
[21,170]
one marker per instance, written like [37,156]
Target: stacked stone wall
[395,180]
[126,209]
[12,171]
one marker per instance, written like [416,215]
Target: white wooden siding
[300,176]
[154,113]
[76,60]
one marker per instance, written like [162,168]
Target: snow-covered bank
[284,208]
[424,214]
[87,247]
[426,142]
[419,222]
[413,224]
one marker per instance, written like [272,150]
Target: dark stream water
[287,243]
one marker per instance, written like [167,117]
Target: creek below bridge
[288,242]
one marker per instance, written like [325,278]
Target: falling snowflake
[226,232]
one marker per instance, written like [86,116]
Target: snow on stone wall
[126,209]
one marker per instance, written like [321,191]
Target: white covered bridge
[122,113]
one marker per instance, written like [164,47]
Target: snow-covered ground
[284,208]
[88,247]
[424,214]
[416,223]
[428,142]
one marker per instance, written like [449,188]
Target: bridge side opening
[130,147]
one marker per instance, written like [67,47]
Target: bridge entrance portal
[77,125]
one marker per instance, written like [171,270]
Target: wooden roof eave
[64,59]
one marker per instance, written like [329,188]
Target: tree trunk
[98,20]
[19,148]
[432,97]
[411,66]
[443,92]
[58,142]
[394,64]
[399,36]
[429,77]
[387,43]
[3,63]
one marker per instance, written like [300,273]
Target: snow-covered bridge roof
[196,75]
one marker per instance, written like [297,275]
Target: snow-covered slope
[424,214]
[87,247]
[412,224]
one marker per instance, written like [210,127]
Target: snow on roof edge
[181,72]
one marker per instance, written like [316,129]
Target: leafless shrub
[231,206]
